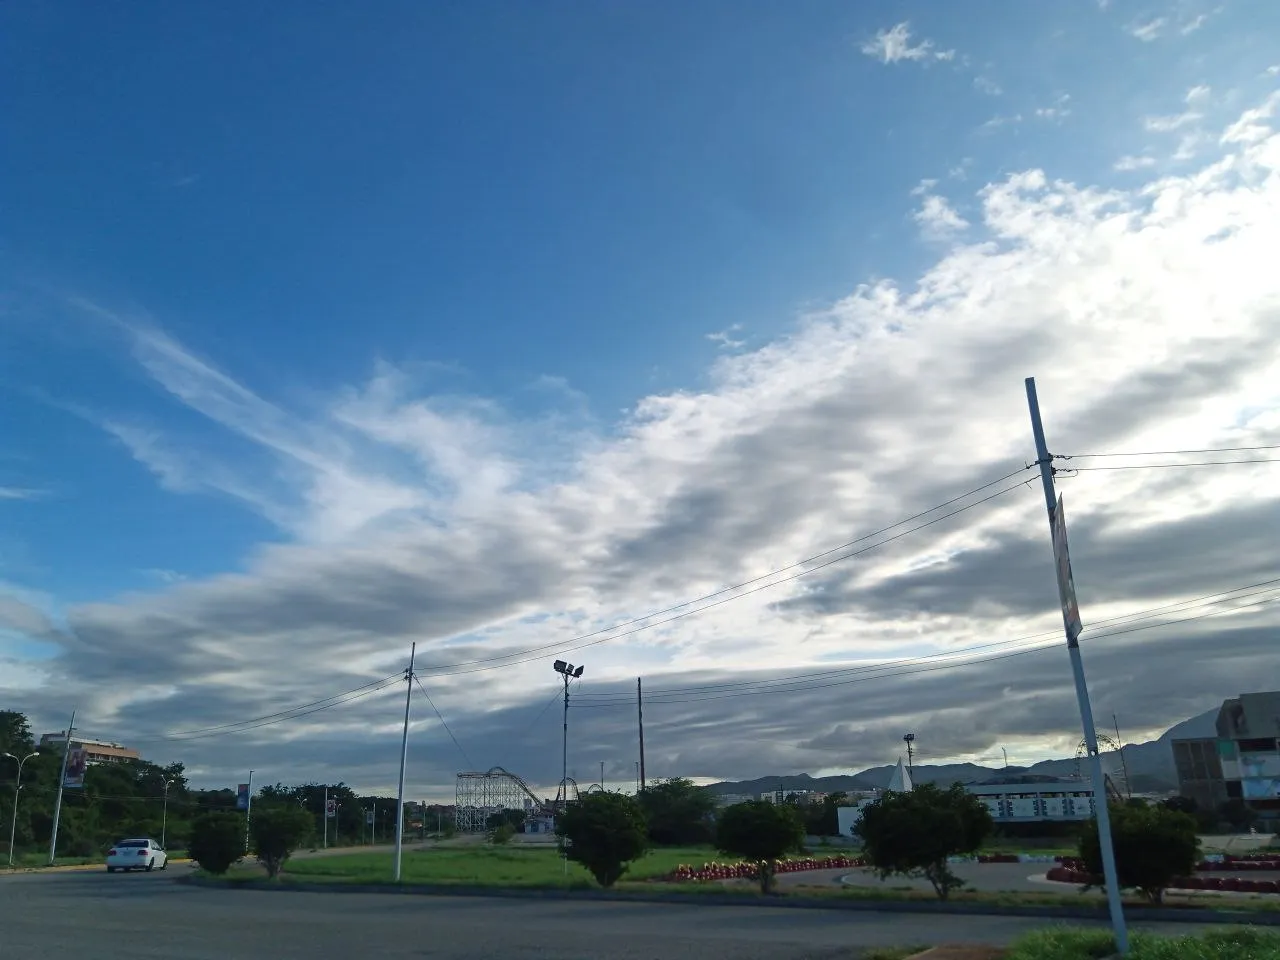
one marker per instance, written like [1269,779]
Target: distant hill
[1150,768]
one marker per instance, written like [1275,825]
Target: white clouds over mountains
[1150,317]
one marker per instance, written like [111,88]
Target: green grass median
[1061,943]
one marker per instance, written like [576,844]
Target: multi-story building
[1241,763]
[96,751]
[1027,799]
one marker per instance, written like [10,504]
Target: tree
[15,733]
[277,832]
[761,832]
[217,841]
[605,832]
[1152,845]
[678,812]
[913,833]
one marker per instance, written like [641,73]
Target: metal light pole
[910,739]
[164,816]
[62,782]
[248,813]
[13,820]
[404,757]
[567,672]
[1072,627]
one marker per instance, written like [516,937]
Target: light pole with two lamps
[13,820]
[568,672]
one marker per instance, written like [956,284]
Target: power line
[1153,466]
[539,652]
[798,688]
[1165,453]
[625,697]
[444,723]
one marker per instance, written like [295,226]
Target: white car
[136,855]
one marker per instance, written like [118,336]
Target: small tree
[502,833]
[277,832]
[913,833]
[604,832]
[762,832]
[217,841]
[678,811]
[1152,845]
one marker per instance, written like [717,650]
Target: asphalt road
[150,916]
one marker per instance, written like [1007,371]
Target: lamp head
[578,672]
[561,666]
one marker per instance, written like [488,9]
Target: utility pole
[164,817]
[404,757]
[640,716]
[324,820]
[248,812]
[1072,627]
[602,776]
[1006,757]
[62,779]
[1124,766]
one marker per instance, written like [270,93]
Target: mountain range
[1149,765]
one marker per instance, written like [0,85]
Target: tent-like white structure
[848,817]
[900,781]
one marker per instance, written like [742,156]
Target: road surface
[148,915]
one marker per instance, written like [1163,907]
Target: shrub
[678,812]
[217,841]
[277,832]
[604,832]
[1152,845]
[913,833]
[762,832]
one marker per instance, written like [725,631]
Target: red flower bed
[748,871]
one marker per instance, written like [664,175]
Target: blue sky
[237,238]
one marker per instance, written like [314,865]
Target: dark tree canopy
[678,811]
[217,841]
[762,832]
[913,833]
[1153,844]
[277,832]
[605,832]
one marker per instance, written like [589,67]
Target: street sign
[1066,582]
[242,796]
[368,817]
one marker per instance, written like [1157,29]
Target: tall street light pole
[13,820]
[164,816]
[568,672]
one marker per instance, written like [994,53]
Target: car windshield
[132,843]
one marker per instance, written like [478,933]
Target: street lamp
[13,820]
[164,817]
[567,672]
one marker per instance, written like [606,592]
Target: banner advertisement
[77,763]
[242,796]
[368,817]
[331,809]
[1066,582]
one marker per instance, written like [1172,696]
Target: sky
[522,331]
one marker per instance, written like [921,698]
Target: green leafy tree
[277,832]
[217,841]
[15,733]
[501,834]
[678,811]
[1153,844]
[912,834]
[761,832]
[605,832]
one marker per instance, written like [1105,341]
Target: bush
[914,833]
[502,833]
[1065,943]
[1152,845]
[217,841]
[762,832]
[678,812]
[277,832]
[604,832]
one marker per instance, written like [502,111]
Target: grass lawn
[508,866]
[1064,943]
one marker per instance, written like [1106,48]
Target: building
[96,751]
[733,799]
[1032,799]
[1241,763]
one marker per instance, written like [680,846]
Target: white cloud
[1147,314]
[923,187]
[20,493]
[1148,31]
[987,86]
[726,338]
[894,45]
[1058,111]
[1128,163]
[999,121]
[1195,98]
[1194,24]
[1251,128]
[1273,70]
[938,219]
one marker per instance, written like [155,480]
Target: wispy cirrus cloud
[22,493]
[894,46]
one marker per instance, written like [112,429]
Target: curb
[74,868]
[1155,914]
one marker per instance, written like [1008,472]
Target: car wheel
[150,865]
[165,865]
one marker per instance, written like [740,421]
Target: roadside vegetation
[1064,943]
